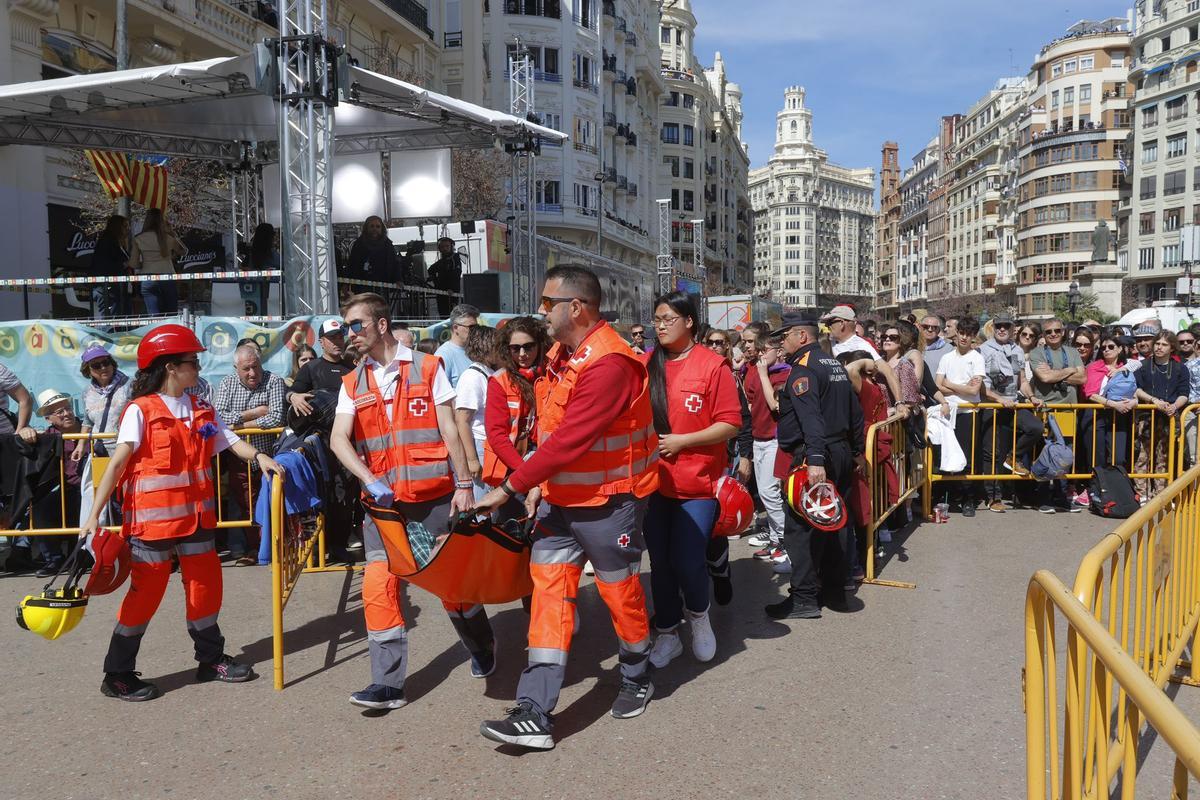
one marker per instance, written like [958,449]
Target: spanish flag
[112,169]
[149,183]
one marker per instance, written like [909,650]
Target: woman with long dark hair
[373,258]
[154,252]
[696,411]
[165,445]
[1109,381]
[110,259]
[1162,381]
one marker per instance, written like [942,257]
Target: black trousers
[820,559]
[1001,422]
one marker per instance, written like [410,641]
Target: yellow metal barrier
[1185,454]
[1147,431]
[892,479]
[293,542]
[1093,722]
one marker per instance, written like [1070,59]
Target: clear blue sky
[875,70]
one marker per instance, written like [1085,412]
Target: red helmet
[794,486]
[823,508]
[167,340]
[735,508]
[112,562]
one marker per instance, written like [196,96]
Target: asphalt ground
[915,694]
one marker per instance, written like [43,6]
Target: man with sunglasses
[638,336]
[596,465]
[453,352]
[841,320]
[1057,371]
[398,406]
[1004,382]
[936,345]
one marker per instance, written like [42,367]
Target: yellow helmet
[53,612]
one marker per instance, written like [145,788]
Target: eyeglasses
[891,337]
[548,303]
[1026,334]
[65,411]
[531,347]
[716,342]
[356,326]
[1052,331]
[463,324]
[932,328]
[664,322]
[107,363]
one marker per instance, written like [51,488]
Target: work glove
[380,492]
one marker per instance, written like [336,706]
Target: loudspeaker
[488,291]
[468,226]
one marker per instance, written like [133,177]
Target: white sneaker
[782,567]
[666,647]
[588,569]
[704,642]
[759,539]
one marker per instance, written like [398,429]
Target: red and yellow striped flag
[149,184]
[112,169]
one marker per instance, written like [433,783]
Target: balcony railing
[622,183]
[452,39]
[610,120]
[631,139]
[622,131]
[549,208]
[589,23]
[633,190]
[584,147]
[412,11]
[631,39]
[583,83]
[619,24]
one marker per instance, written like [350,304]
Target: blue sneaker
[378,696]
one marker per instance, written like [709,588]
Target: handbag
[1056,457]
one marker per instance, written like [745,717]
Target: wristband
[464,484]
[506,487]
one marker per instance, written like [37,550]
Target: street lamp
[601,177]
[698,260]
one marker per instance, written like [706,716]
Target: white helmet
[823,508]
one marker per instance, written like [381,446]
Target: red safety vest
[520,424]
[168,484]
[406,451]
[622,461]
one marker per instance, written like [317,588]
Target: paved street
[915,695]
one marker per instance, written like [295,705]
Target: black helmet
[324,408]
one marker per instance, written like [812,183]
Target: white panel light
[357,188]
[421,183]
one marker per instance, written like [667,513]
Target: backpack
[1112,494]
[1121,386]
[1056,457]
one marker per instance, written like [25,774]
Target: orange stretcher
[479,562]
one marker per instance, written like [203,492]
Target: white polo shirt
[385,378]
[855,342]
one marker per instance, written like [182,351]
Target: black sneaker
[788,608]
[1045,509]
[632,699]
[722,589]
[128,686]
[484,664]
[226,670]
[523,727]
[378,696]
[49,568]
[968,510]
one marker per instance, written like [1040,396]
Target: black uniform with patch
[821,424]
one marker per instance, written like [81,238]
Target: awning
[1160,68]
[212,108]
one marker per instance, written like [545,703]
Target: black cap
[794,319]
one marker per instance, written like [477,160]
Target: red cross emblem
[417,407]
[582,355]
[623,540]
[694,403]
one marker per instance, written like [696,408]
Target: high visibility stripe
[379,444]
[130,630]
[374,556]
[408,473]
[598,477]
[547,655]
[195,548]
[202,623]
[466,613]
[388,634]
[154,483]
[566,555]
[147,555]
[634,647]
[181,511]
[618,575]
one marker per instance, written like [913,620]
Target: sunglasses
[716,343]
[1083,343]
[548,303]
[638,333]
[1026,334]
[931,328]
[355,326]
[195,362]
[1002,326]
[1108,347]
[891,337]
[523,348]
[1053,331]
[105,364]
[1186,341]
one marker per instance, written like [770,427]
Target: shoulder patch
[800,386]
[803,360]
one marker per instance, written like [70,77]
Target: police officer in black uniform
[821,425]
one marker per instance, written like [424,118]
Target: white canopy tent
[226,110]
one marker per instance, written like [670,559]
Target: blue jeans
[104,301]
[677,534]
[161,297]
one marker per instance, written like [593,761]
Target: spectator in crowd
[250,398]
[403,334]
[372,257]
[202,390]
[11,386]
[427,346]
[1189,354]
[960,377]
[110,259]
[470,400]
[1057,374]
[445,274]
[104,400]
[452,351]
[1084,341]
[300,356]
[264,255]
[950,331]
[1185,341]
[59,508]
[1004,382]
[841,321]
[248,342]
[860,367]
[1143,338]
[1163,382]
[1029,334]
[899,344]
[696,411]
[637,335]
[765,373]
[1110,382]
[154,252]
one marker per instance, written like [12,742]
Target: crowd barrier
[1097,435]
[893,477]
[296,543]
[1131,618]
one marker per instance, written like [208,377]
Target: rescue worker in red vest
[510,414]
[398,407]
[163,461]
[595,466]
[696,411]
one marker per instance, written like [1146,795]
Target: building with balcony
[596,77]
[1072,144]
[813,220]
[57,38]
[936,240]
[1165,76]
[981,184]
[887,229]
[912,242]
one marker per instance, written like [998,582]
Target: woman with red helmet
[696,411]
[163,463]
